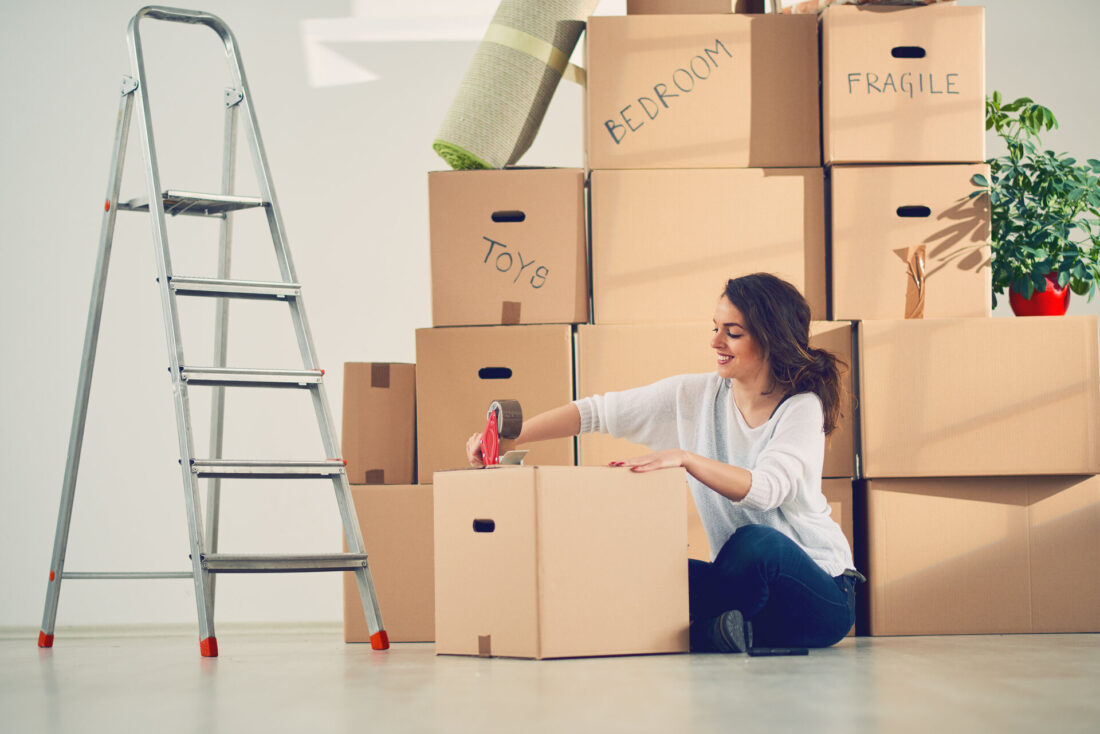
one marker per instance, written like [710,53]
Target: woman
[752,438]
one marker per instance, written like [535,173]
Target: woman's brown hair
[779,320]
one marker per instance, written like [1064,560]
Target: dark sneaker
[732,633]
[728,633]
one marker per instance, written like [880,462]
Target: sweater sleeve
[792,457]
[645,415]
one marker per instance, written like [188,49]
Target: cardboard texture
[983,555]
[838,493]
[687,7]
[979,397]
[701,91]
[881,215]
[903,85]
[606,362]
[664,242]
[460,371]
[378,439]
[547,562]
[508,247]
[396,522]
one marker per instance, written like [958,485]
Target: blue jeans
[765,575]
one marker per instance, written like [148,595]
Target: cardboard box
[664,242]
[687,7]
[838,493]
[508,246]
[460,371]
[903,85]
[550,562]
[698,545]
[979,397]
[606,362]
[396,522]
[983,555]
[379,422]
[909,242]
[702,91]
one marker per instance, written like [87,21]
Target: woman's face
[739,355]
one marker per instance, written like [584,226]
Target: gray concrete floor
[313,682]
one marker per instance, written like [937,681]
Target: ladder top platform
[195,204]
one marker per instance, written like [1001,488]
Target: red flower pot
[1051,301]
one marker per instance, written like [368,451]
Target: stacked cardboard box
[703,140]
[378,442]
[969,425]
[708,156]
[516,548]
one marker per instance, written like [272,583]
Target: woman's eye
[733,336]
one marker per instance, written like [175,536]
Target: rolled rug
[503,97]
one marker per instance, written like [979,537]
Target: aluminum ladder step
[248,563]
[252,469]
[238,377]
[195,204]
[219,288]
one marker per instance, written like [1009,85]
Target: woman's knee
[750,541]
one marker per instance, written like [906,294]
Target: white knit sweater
[785,455]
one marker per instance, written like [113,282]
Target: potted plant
[1045,213]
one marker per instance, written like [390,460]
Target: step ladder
[205,560]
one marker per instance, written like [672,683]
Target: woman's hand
[657,460]
[473,450]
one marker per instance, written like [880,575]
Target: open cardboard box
[560,561]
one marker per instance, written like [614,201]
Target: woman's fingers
[473,450]
[649,462]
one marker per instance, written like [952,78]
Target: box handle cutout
[494,373]
[484,526]
[907,52]
[914,211]
[509,216]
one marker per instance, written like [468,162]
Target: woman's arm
[795,451]
[727,480]
[560,422]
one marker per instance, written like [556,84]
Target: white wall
[349,163]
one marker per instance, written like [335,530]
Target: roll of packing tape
[508,86]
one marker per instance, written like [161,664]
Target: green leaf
[979,180]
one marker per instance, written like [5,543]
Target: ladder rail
[221,331]
[168,306]
[87,363]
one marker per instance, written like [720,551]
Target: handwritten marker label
[681,82]
[508,260]
[905,84]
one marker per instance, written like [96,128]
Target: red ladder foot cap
[209,647]
[45,640]
[380,640]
